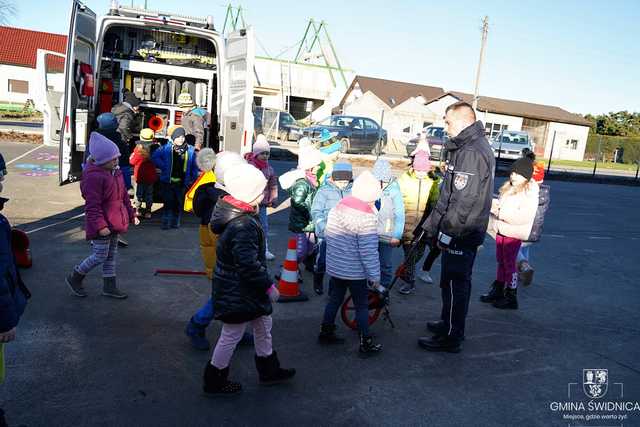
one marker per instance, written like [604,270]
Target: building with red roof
[18,57]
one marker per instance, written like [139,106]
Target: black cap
[523,167]
[131,99]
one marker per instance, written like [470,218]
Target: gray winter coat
[128,122]
[194,122]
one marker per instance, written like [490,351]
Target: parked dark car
[276,125]
[357,134]
[436,137]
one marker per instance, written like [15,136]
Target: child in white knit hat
[243,291]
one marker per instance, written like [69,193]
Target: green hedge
[609,144]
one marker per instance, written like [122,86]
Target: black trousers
[434,253]
[455,284]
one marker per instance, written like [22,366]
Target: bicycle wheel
[348,310]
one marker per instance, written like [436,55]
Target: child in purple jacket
[108,212]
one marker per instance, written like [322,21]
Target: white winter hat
[308,158]
[366,187]
[225,161]
[304,142]
[206,159]
[261,145]
[245,183]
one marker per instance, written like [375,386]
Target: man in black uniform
[458,222]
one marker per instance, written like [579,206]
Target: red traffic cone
[288,286]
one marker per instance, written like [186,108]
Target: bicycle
[378,303]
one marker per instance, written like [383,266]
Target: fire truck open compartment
[157,64]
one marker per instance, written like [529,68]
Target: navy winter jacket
[12,297]
[163,159]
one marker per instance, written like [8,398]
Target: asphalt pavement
[96,361]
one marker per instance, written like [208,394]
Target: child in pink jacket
[259,157]
[108,213]
[512,216]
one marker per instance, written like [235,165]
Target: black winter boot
[509,300]
[328,335]
[270,372]
[495,293]
[216,382]
[74,281]
[368,347]
[318,283]
[110,289]
[438,328]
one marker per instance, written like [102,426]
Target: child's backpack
[544,198]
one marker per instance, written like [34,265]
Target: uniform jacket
[241,279]
[163,159]
[352,241]
[327,197]
[107,203]
[514,213]
[128,122]
[463,208]
[419,195]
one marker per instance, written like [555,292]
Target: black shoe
[3,421]
[217,384]
[509,300]
[438,328]
[368,347]
[440,343]
[495,293]
[122,243]
[318,283]
[270,372]
[328,335]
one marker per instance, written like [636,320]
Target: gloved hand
[382,292]
[274,293]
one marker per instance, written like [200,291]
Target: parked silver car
[508,144]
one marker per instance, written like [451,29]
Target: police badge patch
[460,180]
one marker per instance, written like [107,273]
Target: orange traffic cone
[288,286]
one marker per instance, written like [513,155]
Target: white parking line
[600,238]
[557,236]
[25,154]
[54,224]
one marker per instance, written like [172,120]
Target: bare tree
[8,10]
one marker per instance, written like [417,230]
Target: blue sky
[583,56]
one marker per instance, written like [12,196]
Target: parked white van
[155,55]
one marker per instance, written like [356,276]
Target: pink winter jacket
[107,202]
[513,214]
